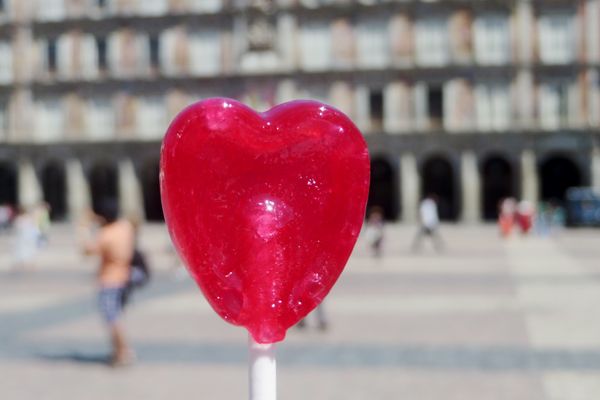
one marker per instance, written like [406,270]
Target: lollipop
[264,209]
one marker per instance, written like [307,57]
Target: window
[49,124]
[51,10]
[492,107]
[205,6]
[315,46]
[88,56]
[372,45]
[376,110]
[100,121]
[557,39]
[153,7]
[51,55]
[102,59]
[432,42]
[492,40]
[174,50]
[154,51]
[6,60]
[555,100]
[435,106]
[101,3]
[205,53]
[261,35]
[2,6]
[64,56]
[343,42]
[151,117]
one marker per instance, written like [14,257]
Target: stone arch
[54,189]
[438,178]
[557,174]
[104,184]
[497,183]
[8,183]
[151,191]
[382,188]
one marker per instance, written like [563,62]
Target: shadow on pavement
[77,357]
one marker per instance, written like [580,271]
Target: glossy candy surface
[264,208]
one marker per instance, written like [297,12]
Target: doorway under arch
[382,189]
[438,179]
[8,184]
[103,183]
[151,191]
[54,189]
[557,175]
[497,184]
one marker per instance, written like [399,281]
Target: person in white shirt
[429,223]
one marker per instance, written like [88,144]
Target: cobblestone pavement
[487,319]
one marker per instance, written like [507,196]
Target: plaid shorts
[109,301]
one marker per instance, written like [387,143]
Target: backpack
[139,275]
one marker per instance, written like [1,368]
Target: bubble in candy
[264,209]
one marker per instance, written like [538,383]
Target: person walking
[374,230]
[25,241]
[114,243]
[429,223]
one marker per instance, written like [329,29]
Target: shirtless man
[114,243]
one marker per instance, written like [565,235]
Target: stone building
[472,100]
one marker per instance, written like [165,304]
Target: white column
[78,190]
[525,28]
[525,98]
[130,192]
[471,188]
[29,189]
[529,177]
[596,169]
[410,187]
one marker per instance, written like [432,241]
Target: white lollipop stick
[262,371]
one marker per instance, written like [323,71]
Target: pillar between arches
[410,187]
[471,188]
[530,187]
[78,190]
[29,188]
[130,192]
[596,169]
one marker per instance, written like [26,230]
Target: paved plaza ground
[487,319]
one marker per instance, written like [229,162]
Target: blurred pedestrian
[114,243]
[543,221]
[25,241]
[374,230]
[558,219]
[429,223]
[319,312]
[5,217]
[42,219]
[506,217]
[524,216]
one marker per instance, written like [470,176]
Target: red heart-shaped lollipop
[264,208]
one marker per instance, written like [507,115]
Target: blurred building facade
[473,100]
